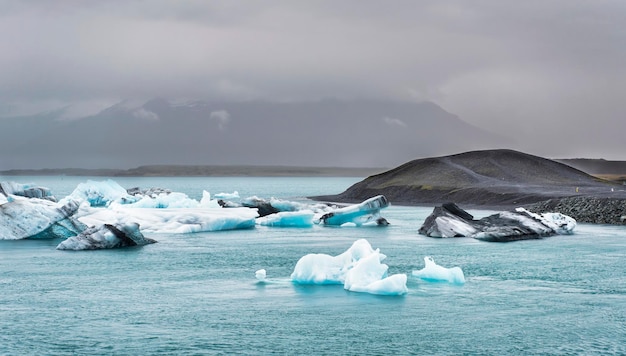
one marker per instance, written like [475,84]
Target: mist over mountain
[326,133]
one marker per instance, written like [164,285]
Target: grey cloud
[222,117]
[394,122]
[551,72]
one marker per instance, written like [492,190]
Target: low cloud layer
[549,74]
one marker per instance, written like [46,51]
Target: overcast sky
[550,73]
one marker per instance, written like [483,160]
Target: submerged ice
[359,269]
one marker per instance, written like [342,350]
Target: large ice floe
[31,211]
[175,221]
[359,269]
[448,220]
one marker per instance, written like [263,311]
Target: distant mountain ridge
[327,133]
[200,171]
[479,178]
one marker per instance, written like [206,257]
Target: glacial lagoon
[198,293]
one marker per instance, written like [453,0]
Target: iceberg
[448,220]
[100,193]
[233,195]
[176,221]
[370,276]
[358,214]
[359,269]
[303,218]
[161,201]
[436,273]
[263,206]
[23,218]
[106,236]
[273,205]
[28,190]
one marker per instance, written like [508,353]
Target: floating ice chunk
[206,201]
[370,276]
[106,236]
[448,220]
[434,272]
[163,201]
[28,190]
[260,275]
[450,227]
[302,218]
[326,269]
[177,221]
[562,224]
[358,214]
[100,193]
[359,269]
[263,206]
[35,218]
[233,195]
[392,285]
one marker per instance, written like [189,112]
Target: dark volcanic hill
[479,178]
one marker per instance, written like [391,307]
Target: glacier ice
[358,214]
[37,218]
[177,221]
[448,220]
[434,272]
[359,269]
[233,195]
[106,236]
[302,218]
[260,275]
[28,190]
[100,193]
[159,210]
[560,223]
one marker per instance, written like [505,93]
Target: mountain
[479,178]
[327,133]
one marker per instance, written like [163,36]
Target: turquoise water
[197,293]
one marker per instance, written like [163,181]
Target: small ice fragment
[260,275]
[434,272]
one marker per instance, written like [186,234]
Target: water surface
[197,294]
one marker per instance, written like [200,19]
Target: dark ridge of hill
[200,171]
[478,178]
[596,166]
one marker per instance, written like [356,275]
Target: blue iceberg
[359,269]
[358,214]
